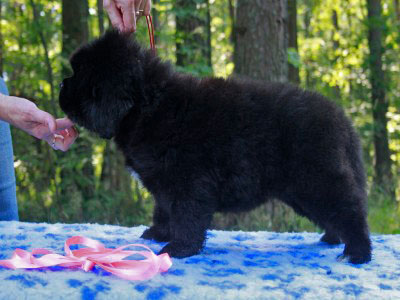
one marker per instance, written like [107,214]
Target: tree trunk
[397,9]
[114,176]
[307,24]
[75,29]
[383,173]
[50,76]
[260,53]
[292,39]
[208,51]
[78,185]
[335,23]
[233,20]
[336,88]
[261,40]
[193,45]
[100,15]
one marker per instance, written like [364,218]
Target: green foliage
[332,58]
[54,186]
[273,216]
[384,213]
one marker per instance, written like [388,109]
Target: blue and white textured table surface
[233,265]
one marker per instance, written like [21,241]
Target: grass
[384,214]
[383,217]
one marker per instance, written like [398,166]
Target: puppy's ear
[105,114]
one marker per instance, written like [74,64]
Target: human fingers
[64,123]
[68,138]
[138,8]
[63,139]
[44,123]
[128,17]
[66,128]
[52,140]
[114,14]
[147,8]
[143,8]
[134,14]
[71,133]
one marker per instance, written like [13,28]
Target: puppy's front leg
[189,221]
[160,231]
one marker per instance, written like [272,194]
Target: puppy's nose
[61,84]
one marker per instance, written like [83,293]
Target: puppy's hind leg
[330,236]
[353,230]
[160,231]
[347,218]
[335,202]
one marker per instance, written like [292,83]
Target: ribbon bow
[110,260]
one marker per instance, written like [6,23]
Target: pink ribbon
[109,259]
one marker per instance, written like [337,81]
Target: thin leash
[150,29]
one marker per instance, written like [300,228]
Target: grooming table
[233,265]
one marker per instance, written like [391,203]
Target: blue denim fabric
[8,199]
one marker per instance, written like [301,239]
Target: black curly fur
[207,145]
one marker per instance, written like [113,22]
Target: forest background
[348,50]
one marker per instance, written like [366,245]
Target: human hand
[65,136]
[124,13]
[24,114]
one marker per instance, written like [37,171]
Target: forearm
[17,111]
[25,115]
[4,107]
[13,110]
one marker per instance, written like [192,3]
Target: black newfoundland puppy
[216,145]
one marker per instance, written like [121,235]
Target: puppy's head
[106,83]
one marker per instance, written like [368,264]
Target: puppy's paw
[180,249]
[157,233]
[355,258]
[330,239]
[357,252]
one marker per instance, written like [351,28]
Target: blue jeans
[8,198]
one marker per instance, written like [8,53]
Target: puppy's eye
[61,84]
